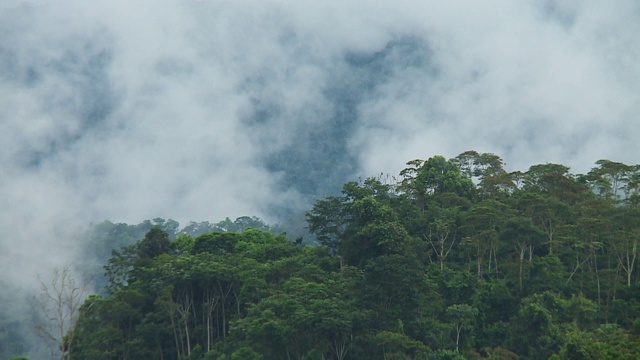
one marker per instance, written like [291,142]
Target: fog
[199,110]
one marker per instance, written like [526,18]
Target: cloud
[199,110]
[528,83]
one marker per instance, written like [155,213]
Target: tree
[607,342]
[60,300]
[554,180]
[611,179]
[397,345]
[391,281]
[216,242]
[592,230]
[442,236]
[487,170]
[334,219]
[156,242]
[435,176]
[119,266]
[625,239]
[306,317]
[496,307]
[523,236]
[327,220]
[537,324]
[460,315]
[547,212]
[123,264]
[481,227]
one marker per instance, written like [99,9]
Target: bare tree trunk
[550,231]
[184,309]
[341,349]
[595,260]
[224,296]
[209,303]
[578,264]
[60,301]
[494,249]
[479,263]
[169,306]
[177,334]
[627,261]
[440,251]
[521,250]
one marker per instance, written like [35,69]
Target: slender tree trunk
[340,349]
[60,301]
[209,304]
[440,251]
[235,296]
[578,264]
[224,322]
[595,261]
[186,331]
[184,308]
[522,251]
[628,265]
[479,263]
[223,300]
[175,332]
[550,232]
[495,259]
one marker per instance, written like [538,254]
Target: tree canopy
[459,259]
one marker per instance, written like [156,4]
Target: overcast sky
[130,110]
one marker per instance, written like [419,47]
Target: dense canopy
[458,259]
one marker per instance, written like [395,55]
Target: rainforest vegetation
[451,259]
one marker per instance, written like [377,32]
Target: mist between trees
[451,259]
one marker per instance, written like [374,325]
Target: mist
[201,110]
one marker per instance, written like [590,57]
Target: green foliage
[446,355]
[459,260]
[435,176]
[547,274]
[215,243]
[606,342]
[155,242]
[327,221]
[400,346]
[183,244]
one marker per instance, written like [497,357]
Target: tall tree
[548,213]
[611,179]
[486,170]
[554,180]
[460,315]
[524,236]
[60,300]
[435,176]
[482,232]
[156,242]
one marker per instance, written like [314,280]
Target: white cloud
[127,110]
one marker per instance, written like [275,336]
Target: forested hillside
[452,259]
